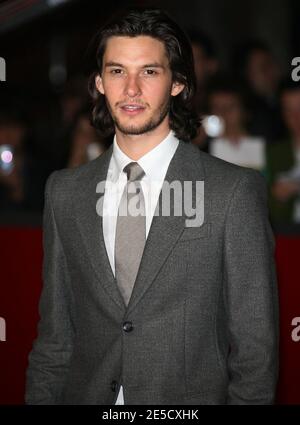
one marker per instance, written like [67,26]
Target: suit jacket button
[113,386]
[127,326]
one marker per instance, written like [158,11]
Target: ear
[99,84]
[177,88]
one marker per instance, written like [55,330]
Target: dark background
[28,33]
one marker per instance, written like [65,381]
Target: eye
[116,71]
[150,72]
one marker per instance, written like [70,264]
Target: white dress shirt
[155,164]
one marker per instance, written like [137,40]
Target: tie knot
[134,171]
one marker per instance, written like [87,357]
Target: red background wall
[20,286]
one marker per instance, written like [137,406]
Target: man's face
[205,67]
[227,106]
[136,80]
[290,101]
[263,72]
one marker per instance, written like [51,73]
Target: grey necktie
[130,231]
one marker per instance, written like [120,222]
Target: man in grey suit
[140,306]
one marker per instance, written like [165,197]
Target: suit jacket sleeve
[251,294]
[50,356]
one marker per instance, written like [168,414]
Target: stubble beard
[150,125]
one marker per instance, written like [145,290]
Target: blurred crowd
[40,136]
[250,116]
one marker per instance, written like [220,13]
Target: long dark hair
[157,24]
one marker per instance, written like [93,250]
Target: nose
[132,88]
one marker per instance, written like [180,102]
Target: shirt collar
[161,154]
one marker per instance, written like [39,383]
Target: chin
[132,131]
[133,128]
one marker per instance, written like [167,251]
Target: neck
[136,146]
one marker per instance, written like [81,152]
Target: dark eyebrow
[149,65]
[153,65]
[113,64]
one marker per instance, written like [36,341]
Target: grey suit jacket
[203,316]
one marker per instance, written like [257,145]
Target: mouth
[132,109]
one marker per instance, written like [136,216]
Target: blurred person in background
[283,160]
[85,142]
[22,178]
[206,65]
[255,64]
[234,143]
[55,121]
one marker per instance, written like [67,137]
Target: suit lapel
[166,230]
[90,224]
